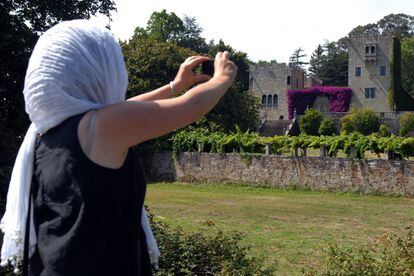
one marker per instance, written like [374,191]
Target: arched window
[275,100]
[288,80]
[269,100]
[264,101]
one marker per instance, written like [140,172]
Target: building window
[383,71]
[357,71]
[288,80]
[264,101]
[367,50]
[269,100]
[372,49]
[275,101]
[370,93]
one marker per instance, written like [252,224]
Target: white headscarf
[75,66]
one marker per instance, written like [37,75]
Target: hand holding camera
[221,69]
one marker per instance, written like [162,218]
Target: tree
[151,63]
[238,106]
[317,61]
[297,57]
[329,63]
[400,25]
[164,26]
[191,36]
[335,70]
[407,64]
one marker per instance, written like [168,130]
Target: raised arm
[122,125]
[185,79]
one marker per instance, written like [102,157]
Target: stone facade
[328,174]
[270,83]
[369,72]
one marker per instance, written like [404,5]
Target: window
[357,71]
[264,101]
[288,80]
[269,100]
[372,49]
[383,70]
[367,50]
[275,101]
[370,92]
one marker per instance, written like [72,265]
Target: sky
[265,30]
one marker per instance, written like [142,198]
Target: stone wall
[316,173]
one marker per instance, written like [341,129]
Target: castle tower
[369,71]
[270,83]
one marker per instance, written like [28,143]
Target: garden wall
[316,173]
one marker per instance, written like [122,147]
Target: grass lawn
[291,227]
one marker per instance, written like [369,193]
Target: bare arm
[122,125]
[184,79]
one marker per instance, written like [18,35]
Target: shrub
[384,131]
[201,253]
[347,125]
[327,127]
[310,122]
[406,123]
[364,121]
[387,255]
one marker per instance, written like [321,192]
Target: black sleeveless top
[87,217]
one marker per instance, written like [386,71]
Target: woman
[86,187]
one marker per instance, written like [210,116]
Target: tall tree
[297,57]
[407,64]
[191,36]
[165,26]
[317,61]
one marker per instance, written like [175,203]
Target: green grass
[290,227]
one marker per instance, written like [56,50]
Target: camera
[207,67]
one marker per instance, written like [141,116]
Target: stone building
[369,71]
[270,82]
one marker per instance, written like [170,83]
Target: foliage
[354,144]
[327,127]
[406,123]
[296,58]
[238,106]
[202,254]
[407,64]
[316,64]
[164,26]
[329,63]
[301,99]
[389,254]
[364,121]
[399,25]
[384,131]
[310,122]
[151,63]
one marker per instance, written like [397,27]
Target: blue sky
[265,30]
